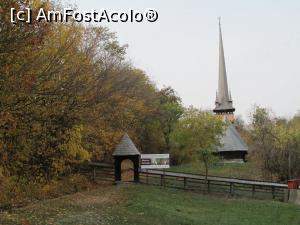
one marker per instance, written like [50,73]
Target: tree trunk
[167,138]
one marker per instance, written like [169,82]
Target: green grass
[147,205]
[249,170]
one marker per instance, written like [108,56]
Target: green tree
[197,134]
[170,109]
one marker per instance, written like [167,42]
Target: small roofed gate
[126,150]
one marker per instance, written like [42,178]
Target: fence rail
[193,182]
[230,186]
[99,171]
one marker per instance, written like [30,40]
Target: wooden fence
[194,182]
[98,171]
[230,186]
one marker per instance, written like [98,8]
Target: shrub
[19,191]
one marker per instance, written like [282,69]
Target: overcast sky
[261,43]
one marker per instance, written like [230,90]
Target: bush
[16,191]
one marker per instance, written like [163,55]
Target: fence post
[231,188]
[208,186]
[253,190]
[273,192]
[164,177]
[94,173]
[161,179]
[184,182]
[147,181]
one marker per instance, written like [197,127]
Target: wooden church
[233,147]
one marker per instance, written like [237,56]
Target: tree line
[275,143]
[67,95]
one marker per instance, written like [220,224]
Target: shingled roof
[126,147]
[232,141]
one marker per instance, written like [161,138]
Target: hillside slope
[139,204]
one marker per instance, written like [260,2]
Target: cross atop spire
[223,99]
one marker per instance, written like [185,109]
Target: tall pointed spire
[223,99]
[233,147]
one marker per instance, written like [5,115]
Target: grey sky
[261,43]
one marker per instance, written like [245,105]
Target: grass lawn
[139,204]
[248,170]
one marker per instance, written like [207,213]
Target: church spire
[223,98]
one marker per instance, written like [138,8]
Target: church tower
[233,147]
[223,103]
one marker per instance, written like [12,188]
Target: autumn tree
[68,93]
[276,143]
